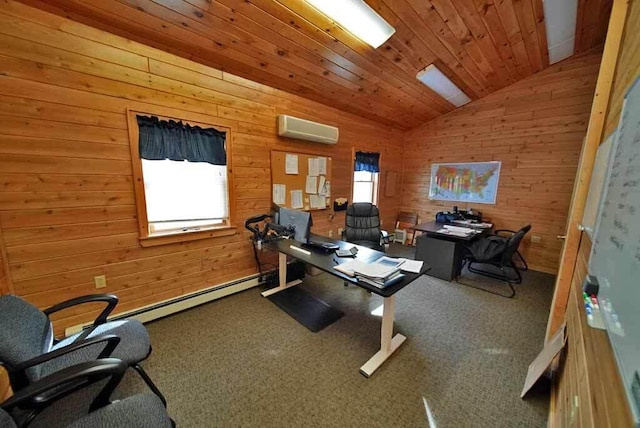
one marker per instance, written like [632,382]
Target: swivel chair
[362,226]
[498,251]
[29,351]
[53,400]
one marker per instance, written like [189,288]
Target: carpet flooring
[242,362]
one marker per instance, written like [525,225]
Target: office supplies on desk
[351,252]
[445,231]
[459,229]
[411,265]
[323,246]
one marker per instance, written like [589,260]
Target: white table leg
[388,342]
[282,273]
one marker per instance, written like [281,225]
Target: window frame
[145,237]
[375,184]
[376,179]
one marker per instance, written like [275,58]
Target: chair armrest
[110,299]
[384,237]
[111,339]
[34,395]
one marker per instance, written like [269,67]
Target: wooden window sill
[170,238]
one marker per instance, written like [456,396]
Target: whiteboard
[596,185]
[615,257]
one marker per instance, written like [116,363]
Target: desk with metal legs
[326,261]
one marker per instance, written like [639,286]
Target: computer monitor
[300,220]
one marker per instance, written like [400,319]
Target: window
[366,168]
[365,187]
[182,179]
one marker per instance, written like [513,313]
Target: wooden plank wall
[535,127]
[588,390]
[628,68]
[4,289]
[66,196]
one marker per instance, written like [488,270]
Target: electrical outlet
[101,281]
[331,234]
[535,239]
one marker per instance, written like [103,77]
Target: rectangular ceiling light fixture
[440,84]
[358,18]
[560,20]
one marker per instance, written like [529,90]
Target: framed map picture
[475,182]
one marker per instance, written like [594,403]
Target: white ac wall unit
[301,129]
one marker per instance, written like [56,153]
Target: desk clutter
[380,273]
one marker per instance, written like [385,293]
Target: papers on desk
[413,266]
[473,224]
[381,268]
[458,231]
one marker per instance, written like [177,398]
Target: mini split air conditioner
[301,129]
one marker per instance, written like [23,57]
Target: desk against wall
[300,180]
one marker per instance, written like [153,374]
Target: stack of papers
[380,273]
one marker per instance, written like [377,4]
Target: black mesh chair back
[512,245]
[362,225]
[498,251]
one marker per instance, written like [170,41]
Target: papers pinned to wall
[317,202]
[291,164]
[321,182]
[296,199]
[279,194]
[312,185]
[322,166]
[313,167]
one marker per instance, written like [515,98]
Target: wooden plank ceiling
[482,45]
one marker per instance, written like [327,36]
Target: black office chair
[29,351]
[499,251]
[58,400]
[362,226]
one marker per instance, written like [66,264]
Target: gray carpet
[242,362]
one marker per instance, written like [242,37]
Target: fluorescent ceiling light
[440,84]
[358,18]
[560,19]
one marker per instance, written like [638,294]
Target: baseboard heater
[179,304]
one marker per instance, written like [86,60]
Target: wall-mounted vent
[301,129]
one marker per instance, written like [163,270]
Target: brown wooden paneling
[535,127]
[67,205]
[5,288]
[627,69]
[481,45]
[588,391]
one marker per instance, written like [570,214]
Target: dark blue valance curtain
[367,162]
[168,139]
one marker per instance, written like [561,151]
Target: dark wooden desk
[326,261]
[444,253]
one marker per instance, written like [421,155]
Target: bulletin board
[300,181]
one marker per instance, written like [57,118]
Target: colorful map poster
[465,182]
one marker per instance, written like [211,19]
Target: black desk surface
[327,260]
[431,228]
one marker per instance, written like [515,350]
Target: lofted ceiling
[481,45]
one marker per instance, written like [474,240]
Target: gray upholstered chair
[50,402]
[29,351]
[362,226]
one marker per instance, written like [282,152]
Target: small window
[365,187]
[366,167]
[182,178]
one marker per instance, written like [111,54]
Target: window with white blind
[182,178]
[185,196]
[365,187]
